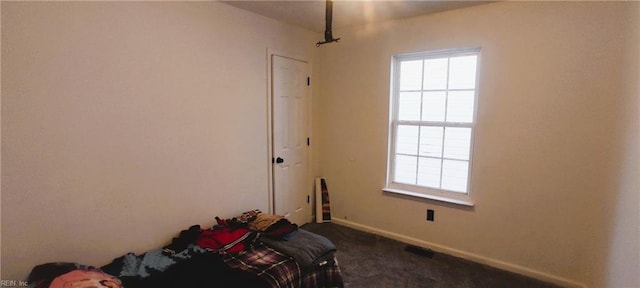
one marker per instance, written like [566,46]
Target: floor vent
[419,251]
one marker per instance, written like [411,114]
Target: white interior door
[290,146]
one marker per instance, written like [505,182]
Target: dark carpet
[369,260]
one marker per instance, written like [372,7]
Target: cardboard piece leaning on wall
[323,206]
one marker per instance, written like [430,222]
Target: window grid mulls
[434,119]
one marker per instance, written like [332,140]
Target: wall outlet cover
[430,215]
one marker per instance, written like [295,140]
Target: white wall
[0,148]
[546,158]
[623,257]
[125,122]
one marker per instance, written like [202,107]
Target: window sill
[464,202]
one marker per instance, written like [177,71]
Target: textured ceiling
[310,14]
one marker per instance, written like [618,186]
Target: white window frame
[422,191]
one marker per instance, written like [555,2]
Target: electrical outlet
[430,215]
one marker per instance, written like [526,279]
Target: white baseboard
[466,255]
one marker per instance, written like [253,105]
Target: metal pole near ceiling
[328,34]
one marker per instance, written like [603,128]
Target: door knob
[279,160]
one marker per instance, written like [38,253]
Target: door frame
[269,152]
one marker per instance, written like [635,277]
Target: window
[433,101]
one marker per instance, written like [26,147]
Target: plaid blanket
[327,276]
[281,271]
[277,269]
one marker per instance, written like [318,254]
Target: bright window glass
[434,99]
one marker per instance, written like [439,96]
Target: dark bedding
[203,270]
[308,249]
[223,256]
[280,270]
[258,266]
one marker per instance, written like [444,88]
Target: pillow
[85,279]
[66,273]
